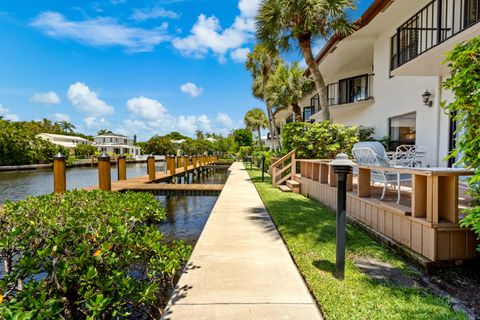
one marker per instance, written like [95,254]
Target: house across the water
[68,142]
[389,73]
[117,144]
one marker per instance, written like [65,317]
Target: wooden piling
[122,167]
[104,174]
[59,174]
[186,161]
[151,167]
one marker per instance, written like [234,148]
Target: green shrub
[86,255]
[464,82]
[320,140]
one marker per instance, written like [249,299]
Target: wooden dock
[176,167]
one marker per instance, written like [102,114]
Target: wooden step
[284,188]
[294,185]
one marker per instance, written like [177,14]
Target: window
[472,14]
[307,112]
[404,44]
[353,89]
[291,118]
[403,130]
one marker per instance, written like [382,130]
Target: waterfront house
[388,74]
[116,144]
[68,142]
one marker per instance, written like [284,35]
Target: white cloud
[62,117]
[100,32]
[147,108]
[7,115]
[46,98]
[207,35]
[225,120]
[87,101]
[153,13]
[191,89]
[239,55]
[204,122]
[95,122]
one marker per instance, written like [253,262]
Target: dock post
[59,174]
[185,164]
[104,174]
[122,167]
[151,167]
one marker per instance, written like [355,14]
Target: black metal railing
[435,23]
[355,89]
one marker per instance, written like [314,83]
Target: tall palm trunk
[298,112]
[259,137]
[305,45]
[275,135]
[270,126]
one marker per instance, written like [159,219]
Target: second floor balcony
[419,45]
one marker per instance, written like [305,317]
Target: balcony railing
[435,23]
[351,90]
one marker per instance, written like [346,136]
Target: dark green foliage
[320,140]
[464,82]
[159,145]
[85,150]
[243,137]
[86,255]
[175,136]
[19,145]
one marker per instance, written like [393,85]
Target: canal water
[186,215]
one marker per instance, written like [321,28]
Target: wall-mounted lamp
[427,98]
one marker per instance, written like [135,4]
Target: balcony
[420,43]
[352,91]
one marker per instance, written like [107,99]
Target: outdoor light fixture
[426,97]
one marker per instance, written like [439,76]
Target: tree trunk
[270,126]
[259,137]
[305,45]
[276,135]
[298,112]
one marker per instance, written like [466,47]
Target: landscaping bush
[86,255]
[464,82]
[320,140]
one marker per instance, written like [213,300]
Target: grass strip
[308,228]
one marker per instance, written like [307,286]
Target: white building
[69,142]
[376,76]
[117,144]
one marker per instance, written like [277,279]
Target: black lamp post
[263,168]
[342,167]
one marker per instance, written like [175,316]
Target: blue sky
[140,67]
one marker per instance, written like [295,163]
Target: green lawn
[308,228]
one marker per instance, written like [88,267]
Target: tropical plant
[464,82]
[243,137]
[320,140]
[261,62]
[85,150]
[286,87]
[67,126]
[159,145]
[255,119]
[86,255]
[283,22]
[103,132]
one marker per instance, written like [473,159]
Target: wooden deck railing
[425,222]
[283,169]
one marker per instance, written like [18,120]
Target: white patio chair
[405,156]
[374,154]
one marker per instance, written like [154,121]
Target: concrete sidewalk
[240,267]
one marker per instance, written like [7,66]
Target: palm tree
[304,21]
[255,119]
[287,86]
[261,62]
[67,126]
